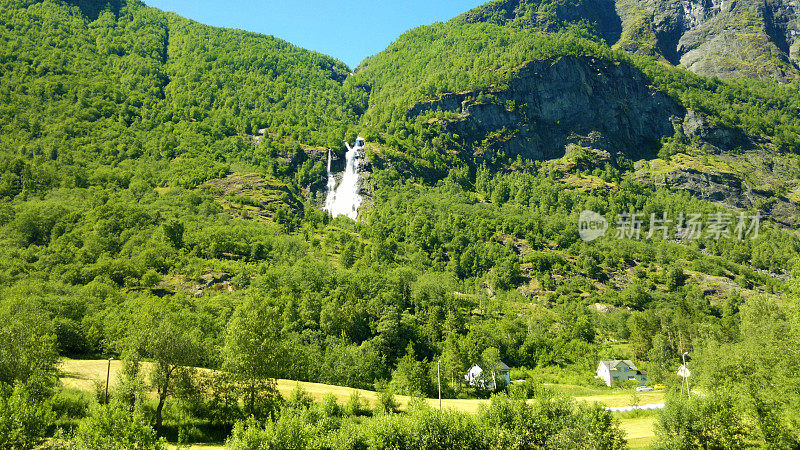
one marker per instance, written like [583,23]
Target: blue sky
[349,30]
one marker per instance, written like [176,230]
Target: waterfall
[331,191]
[344,200]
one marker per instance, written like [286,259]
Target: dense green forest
[119,126]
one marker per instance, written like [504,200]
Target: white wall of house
[604,374]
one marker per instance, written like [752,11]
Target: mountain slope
[160,193]
[135,82]
[460,93]
[593,17]
[713,38]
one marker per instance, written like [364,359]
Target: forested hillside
[161,184]
[140,84]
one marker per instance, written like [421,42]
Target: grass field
[606,397]
[86,374]
[639,431]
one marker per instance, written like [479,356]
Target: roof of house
[501,366]
[613,363]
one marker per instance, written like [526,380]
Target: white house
[477,377]
[618,370]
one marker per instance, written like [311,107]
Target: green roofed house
[619,370]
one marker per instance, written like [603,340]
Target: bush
[111,427]
[506,423]
[675,278]
[288,432]
[351,436]
[525,389]
[712,421]
[130,386]
[214,399]
[70,404]
[387,403]
[549,423]
[426,428]
[329,406]
[299,398]
[23,421]
[355,406]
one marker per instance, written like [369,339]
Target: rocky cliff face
[549,104]
[724,38]
[731,169]
[757,179]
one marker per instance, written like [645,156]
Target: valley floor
[86,374]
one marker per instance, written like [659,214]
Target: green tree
[348,256]
[453,365]
[757,367]
[175,351]
[490,359]
[675,278]
[411,377]
[173,230]
[28,352]
[254,354]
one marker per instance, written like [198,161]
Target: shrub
[299,398]
[525,389]
[387,403]
[426,428]
[111,427]
[23,420]
[712,421]
[548,423]
[355,406]
[214,399]
[675,278]
[329,406]
[70,404]
[288,432]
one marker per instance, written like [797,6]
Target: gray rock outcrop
[723,38]
[552,103]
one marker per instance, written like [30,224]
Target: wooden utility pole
[108,375]
[439,382]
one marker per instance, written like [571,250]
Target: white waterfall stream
[344,199]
